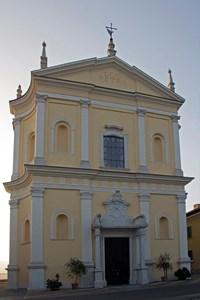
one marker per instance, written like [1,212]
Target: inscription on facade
[112,77]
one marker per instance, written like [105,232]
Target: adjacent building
[193,225]
[96,174]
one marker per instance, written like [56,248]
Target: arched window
[163,228]
[27,231]
[62,138]
[62,227]
[158,149]
[31,147]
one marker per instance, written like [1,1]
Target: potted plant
[163,263]
[76,269]
[54,284]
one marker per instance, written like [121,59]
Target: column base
[178,172]
[15,176]
[36,276]
[39,161]
[85,164]
[98,282]
[88,279]
[142,169]
[12,277]
[185,262]
[140,276]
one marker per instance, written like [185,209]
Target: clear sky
[153,35]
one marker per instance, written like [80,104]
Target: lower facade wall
[80,208]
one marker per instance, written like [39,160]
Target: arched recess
[159,147]
[164,227]
[26,231]
[62,225]
[62,136]
[30,147]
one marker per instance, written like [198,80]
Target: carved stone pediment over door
[116,215]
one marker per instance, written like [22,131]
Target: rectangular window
[189,232]
[113,148]
[190,254]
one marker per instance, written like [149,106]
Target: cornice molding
[19,183]
[107,175]
[24,103]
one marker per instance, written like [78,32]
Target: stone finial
[43,58]
[111,48]
[19,91]
[171,84]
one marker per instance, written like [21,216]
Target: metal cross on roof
[110,30]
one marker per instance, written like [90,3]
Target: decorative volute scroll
[116,215]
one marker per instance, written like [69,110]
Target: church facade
[96,175]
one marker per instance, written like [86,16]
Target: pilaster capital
[14,203]
[181,198]
[41,98]
[175,118]
[85,103]
[141,112]
[37,191]
[16,121]
[140,232]
[144,197]
[86,195]
[97,231]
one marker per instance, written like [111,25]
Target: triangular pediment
[111,73]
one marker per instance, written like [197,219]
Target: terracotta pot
[75,285]
[163,278]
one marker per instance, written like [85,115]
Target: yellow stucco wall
[160,125]
[101,116]
[194,241]
[57,252]
[164,204]
[23,251]
[27,126]
[69,112]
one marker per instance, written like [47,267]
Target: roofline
[95,60]
[193,212]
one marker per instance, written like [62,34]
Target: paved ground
[183,290]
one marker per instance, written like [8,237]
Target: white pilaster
[39,134]
[184,260]
[85,133]
[144,210]
[142,143]
[13,267]
[177,157]
[98,280]
[16,125]
[143,272]
[36,267]
[86,228]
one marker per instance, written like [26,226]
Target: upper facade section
[97,113]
